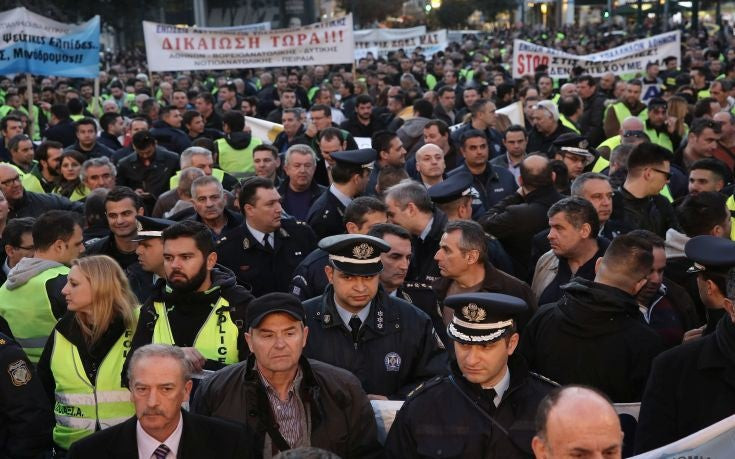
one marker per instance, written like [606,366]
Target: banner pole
[96,100]
[29,95]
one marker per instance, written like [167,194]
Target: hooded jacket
[594,335]
[28,268]
[187,312]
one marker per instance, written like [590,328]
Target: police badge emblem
[20,375]
[392,361]
[474,313]
[246,243]
[363,251]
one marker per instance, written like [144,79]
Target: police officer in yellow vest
[31,299]
[235,150]
[81,365]
[201,308]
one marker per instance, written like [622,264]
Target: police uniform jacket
[423,267]
[493,184]
[397,347]
[341,418]
[309,279]
[442,418]
[264,270]
[26,416]
[692,386]
[187,313]
[325,215]
[594,335]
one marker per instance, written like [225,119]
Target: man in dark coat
[325,408]
[518,217]
[24,203]
[692,386]
[266,248]
[390,345]
[595,334]
[159,383]
[486,406]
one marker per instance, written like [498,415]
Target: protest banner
[240,28]
[390,40]
[363,52]
[172,47]
[626,59]
[262,129]
[714,441]
[38,45]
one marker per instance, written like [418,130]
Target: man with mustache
[201,309]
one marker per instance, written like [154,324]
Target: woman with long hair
[81,365]
[69,183]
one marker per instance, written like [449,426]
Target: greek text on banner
[171,47]
[629,58]
[31,43]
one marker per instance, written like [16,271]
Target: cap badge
[138,225]
[363,251]
[474,313]
[584,144]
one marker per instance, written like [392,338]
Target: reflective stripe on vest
[236,161]
[568,123]
[80,405]
[28,311]
[216,340]
[661,139]
[600,164]
[219,174]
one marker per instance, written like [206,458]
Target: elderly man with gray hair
[546,128]
[179,198]
[201,158]
[160,382]
[98,173]
[298,189]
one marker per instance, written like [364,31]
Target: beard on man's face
[187,284]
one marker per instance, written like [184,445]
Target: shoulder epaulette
[424,386]
[544,378]
[417,285]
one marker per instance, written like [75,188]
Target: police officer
[454,196]
[265,249]
[350,176]
[487,404]
[148,270]
[26,416]
[387,343]
[691,387]
[201,309]
[309,279]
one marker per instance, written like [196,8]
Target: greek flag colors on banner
[31,43]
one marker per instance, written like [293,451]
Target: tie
[161,452]
[266,241]
[355,324]
[490,394]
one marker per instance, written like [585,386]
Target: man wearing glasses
[638,201]
[24,203]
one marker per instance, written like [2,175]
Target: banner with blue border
[31,43]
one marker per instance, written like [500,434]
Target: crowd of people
[509,282]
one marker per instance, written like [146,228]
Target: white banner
[241,28]
[629,58]
[363,52]
[171,47]
[390,40]
[715,441]
[262,129]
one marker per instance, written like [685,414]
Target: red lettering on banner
[202,44]
[300,39]
[225,43]
[314,40]
[288,40]
[529,62]
[188,43]
[166,44]
[254,42]
[341,36]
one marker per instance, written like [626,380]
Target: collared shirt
[346,315]
[514,169]
[259,235]
[343,198]
[426,230]
[290,414]
[147,444]
[501,387]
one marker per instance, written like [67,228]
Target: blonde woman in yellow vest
[81,365]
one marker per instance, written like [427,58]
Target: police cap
[481,318]
[452,188]
[363,157]
[149,227]
[572,143]
[710,253]
[269,303]
[355,254]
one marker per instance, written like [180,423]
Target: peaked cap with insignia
[482,317]
[355,254]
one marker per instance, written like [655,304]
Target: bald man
[576,421]
[631,132]
[430,164]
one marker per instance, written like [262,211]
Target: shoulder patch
[544,378]
[424,386]
[20,374]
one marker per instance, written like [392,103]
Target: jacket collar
[380,320]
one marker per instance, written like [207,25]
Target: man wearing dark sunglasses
[638,201]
